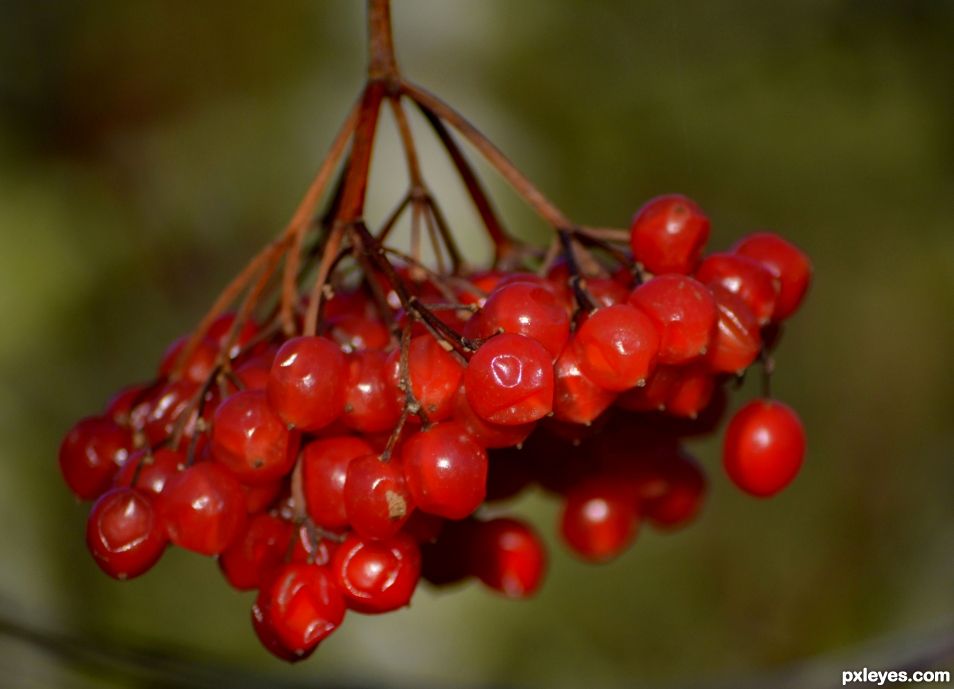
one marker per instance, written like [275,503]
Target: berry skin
[618,346]
[203,508]
[302,606]
[324,467]
[509,380]
[599,519]
[489,435]
[576,398]
[198,367]
[790,266]
[370,403]
[356,333]
[306,385]
[668,234]
[523,308]
[434,374]
[91,454]
[251,440]
[376,497]
[764,447]
[509,557]
[691,391]
[377,576]
[685,489]
[684,313]
[745,277]
[124,533]
[155,471]
[446,470]
[261,548]
[736,340]
[268,637]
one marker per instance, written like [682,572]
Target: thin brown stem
[382,64]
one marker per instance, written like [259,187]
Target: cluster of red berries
[333,471]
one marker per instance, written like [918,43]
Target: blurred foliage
[147,148]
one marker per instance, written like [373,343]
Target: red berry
[251,440]
[618,346]
[307,382]
[736,340]
[91,454]
[523,308]
[203,508]
[311,548]
[668,234]
[434,374]
[377,576]
[261,496]
[151,470]
[599,519]
[356,333]
[302,605]
[691,391]
[745,277]
[120,406]
[376,497]
[324,467]
[260,549]
[158,415]
[576,398]
[509,557]
[124,534]
[489,435]
[509,380]
[685,489]
[790,266]
[764,447]
[446,470]
[684,313]
[370,402]
[268,637]
[221,330]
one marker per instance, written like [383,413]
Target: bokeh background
[148,148]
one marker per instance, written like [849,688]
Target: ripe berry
[356,333]
[370,403]
[745,277]
[302,605]
[489,435]
[790,266]
[268,637]
[434,374]
[198,367]
[684,313]
[668,234]
[523,308]
[251,440]
[151,470]
[91,454]
[307,382]
[764,447]
[690,391]
[376,497]
[120,405]
[203,508]
[446,470]
[124,534]
[324,469]
[599,519]
[260,549]
[685,489]
[509,380]
[618,346]
[736,340]
[509,557]
[377,576]
[576,398]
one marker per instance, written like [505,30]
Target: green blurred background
[148,148]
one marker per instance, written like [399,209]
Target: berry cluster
[331,471]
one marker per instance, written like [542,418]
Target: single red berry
[221,330]
[120,405]
[690,391]
[685,489]
[199,365]
[355,333]
[599,519]
[668,234]
[736,340]
[509,380]
[523,308]
[203,508]
[434,373]
[268,637]
[91,454]
[324,469]
[577,398]
[745,277]
[261,548]
[684,313]
[445,470]
[789,264]
[376,497]
[764,447]
[149,471]
[158,415]
[489,435]
[307,382]
[377,576]
[371,405]
[509,557]
[607,291]
[124,533]
[302,606]
[251,440]
[253,372]
[618,346]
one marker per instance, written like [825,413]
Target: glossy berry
[489,435]
[509,380]
[377,576]
[576,398]
[509,557]
[599,519]
[324,469]
[203,508]
[790,266]
[251,440]
[302,606]
[668,234]
[690,391]
[376,497]
[91,454]
[446,470]
[523,308]
[434,373]
[268,637]
[764,447]
[307,382]
[744,277]
[150,471]
[736,340]
[618,347]
[354,332]
[371,405]
[197,367]
[261,548]
[124,533]
[684,313]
